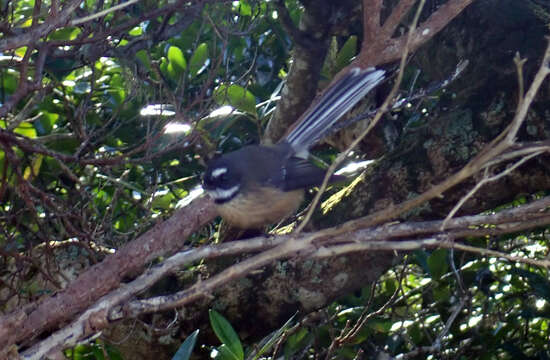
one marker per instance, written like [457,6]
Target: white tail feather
[334,103]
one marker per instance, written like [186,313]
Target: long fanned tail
[334,103]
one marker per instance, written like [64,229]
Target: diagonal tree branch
[100,279]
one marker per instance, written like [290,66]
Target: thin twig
[487,179]
[521,87]
[431,242]
[102,13]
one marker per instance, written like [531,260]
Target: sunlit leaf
[27,23]
[136,31]
[173,72]
[26,129]
[236,96]
[176,59]
[244,8]
[163,202]
[21,51]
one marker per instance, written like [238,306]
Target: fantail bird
[260,184]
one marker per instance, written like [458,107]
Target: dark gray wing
[301,174]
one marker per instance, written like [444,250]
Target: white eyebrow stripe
[220,194]
[218,172]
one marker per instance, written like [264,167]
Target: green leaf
[224,331]
[415,333]
[59,67]
[164,66]
[296,342]
[224,353]
[186,349]
[382,326]
[81,352]
[34,169]
[421,257]
[197,63]
[176,59]
[389,286]
[273,338]
[9,81]
[26,129]
[21,51]
[441,293]
[437,263]
[236,96]
[82,87]
[172,72]
[44,124]
[538,283]
[2,162]
[136,31]
[346,53]
[98,352]
[295,339]
[244,8]
[113,353]
[67,33]
[143,58]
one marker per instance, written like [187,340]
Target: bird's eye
[224,178]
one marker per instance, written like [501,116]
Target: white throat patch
[222,194]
